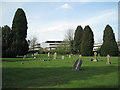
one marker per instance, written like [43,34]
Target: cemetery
[56,71]
[71,63]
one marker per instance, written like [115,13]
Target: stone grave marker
[108,59]
[62,57]
[34,57]
[78,63]
[69,56]
[22,63]
[98,54]
[95,58]
[48,54]
[55,55]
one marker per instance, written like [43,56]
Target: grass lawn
[58,73]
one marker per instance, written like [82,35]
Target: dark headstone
[77,64]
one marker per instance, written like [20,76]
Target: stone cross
[80,56]
[62,57]
[48,54]
[108,59]
[95,59]
[55,55]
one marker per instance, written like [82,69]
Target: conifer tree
[6,41]
[109,45]
[87,42]
[78,39]
[19,28]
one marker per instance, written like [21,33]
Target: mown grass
[58,73]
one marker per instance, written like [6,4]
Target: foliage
[87,42]
[109,45]
[19,29]
[7,41]
[78,39]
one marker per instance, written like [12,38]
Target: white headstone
[48,54]
[108,59]
[55,55]
[62,57]
[69,56]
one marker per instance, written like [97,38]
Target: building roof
[53,41]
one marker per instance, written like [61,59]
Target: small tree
[78,39]
[109,45]
[33,42]
[87,42]
[69,39]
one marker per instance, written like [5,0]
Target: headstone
[55,55]
[24,56]
[95,59]
[22,63]
[108,59]
[36,53]
[69,56]
[62,57]
[48,54]
[78,63]
[98,54]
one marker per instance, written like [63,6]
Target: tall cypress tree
[78,39]
[109,45]
[19,28]
[87,41]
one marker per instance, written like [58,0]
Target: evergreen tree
[6,41]
[19,28]
[78,39]
[109,45]
[87,42]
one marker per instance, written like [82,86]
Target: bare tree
[68,40]
[69,35]
[33,42]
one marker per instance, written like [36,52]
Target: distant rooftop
[53,41]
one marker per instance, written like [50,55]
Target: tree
[19,28]
[78,39]
[69,39]
[33,42]
[87,41]
[109,45]
[6,41]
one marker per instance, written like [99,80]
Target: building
[36,47]
[49,45]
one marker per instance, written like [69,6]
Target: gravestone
[78,63]
[34,57]
[108,59]
[36,53]
[22,63]
[95,58]
[62,57]
[55,55]
[24,56]
[69,56]
[98,54]
[48,54]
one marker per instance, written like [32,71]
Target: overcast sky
[51,20]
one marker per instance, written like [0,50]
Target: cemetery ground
[34,73]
